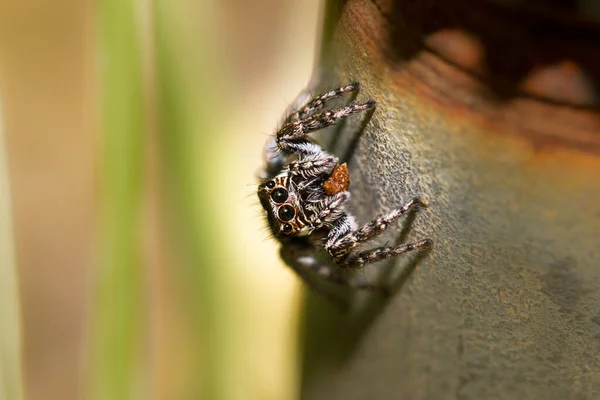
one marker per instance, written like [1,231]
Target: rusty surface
[495,121]
[339,181]
[483,60]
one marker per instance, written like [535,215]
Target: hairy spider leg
[291,137]
[381,253]
[329,208]
[304,273]
[302,261]
[339,247]
[313,165]
[318,103]
[313,161]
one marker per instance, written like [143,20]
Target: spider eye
[279,195]
[286,212]
[270,184]
[286,228]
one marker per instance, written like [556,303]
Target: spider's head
[281,203]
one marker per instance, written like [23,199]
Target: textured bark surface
[491,113]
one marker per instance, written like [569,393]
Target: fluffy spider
[304,192]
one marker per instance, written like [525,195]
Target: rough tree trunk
[490,110]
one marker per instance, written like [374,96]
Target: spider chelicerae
[304,193]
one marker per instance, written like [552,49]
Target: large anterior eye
[286,212]
[286,228]
[279,195]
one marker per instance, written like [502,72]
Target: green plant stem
[118,311]
[11,381]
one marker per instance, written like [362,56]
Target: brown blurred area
[45,71]
[48,93]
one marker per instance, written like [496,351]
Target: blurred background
[132,134]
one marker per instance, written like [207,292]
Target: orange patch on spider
[338,181]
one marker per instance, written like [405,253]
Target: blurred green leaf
[117,335]
[11,383]
[191,95]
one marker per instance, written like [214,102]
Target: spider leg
[313,165]
[306,277]
[318,103]
[291,138]
[381,253]
[313,160]
[341,246]
[274,160]
[300,258]
[329,209]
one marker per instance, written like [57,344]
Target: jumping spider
[304,214]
